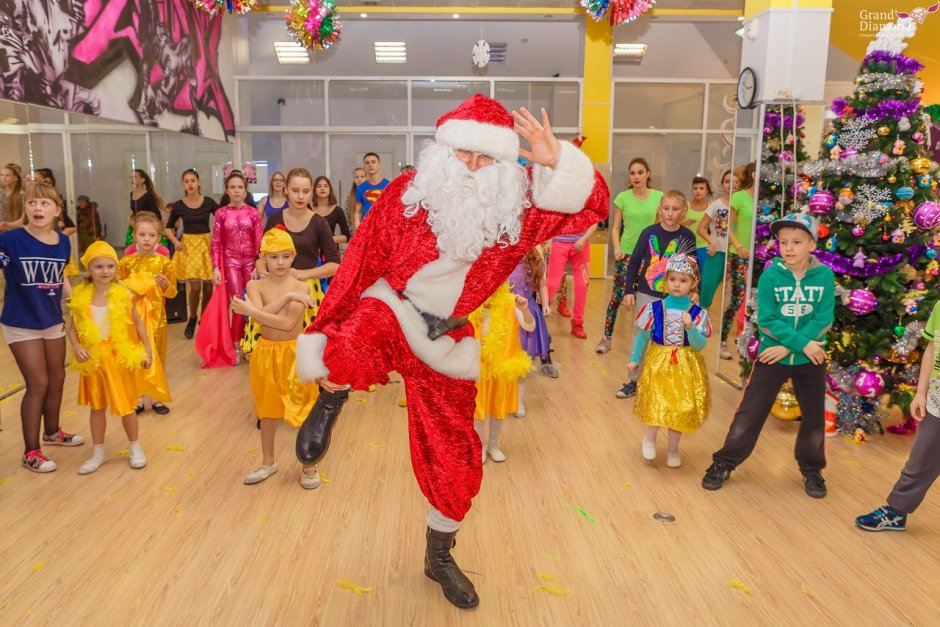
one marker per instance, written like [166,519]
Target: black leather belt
[437,327]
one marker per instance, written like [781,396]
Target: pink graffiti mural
[59,53]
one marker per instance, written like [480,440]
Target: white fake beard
[467,211]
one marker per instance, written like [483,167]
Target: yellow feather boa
[500,351]
[129,351]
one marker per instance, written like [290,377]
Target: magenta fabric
[562,253]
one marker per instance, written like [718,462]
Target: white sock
[98,454]
[495,426]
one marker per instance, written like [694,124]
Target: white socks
[138,459]
[493,448]
[98,457]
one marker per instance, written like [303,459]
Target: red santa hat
[482,125]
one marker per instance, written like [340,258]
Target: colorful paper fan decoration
[618,11]
[242,7]
[314,23]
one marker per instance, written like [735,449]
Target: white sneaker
[90,466]
[673,460]
[723,351]
[495,454]
[261,473]
[520,412]
[649,450]
[603,346]
[484,455]
[308,482]
[137,458]
[37,462]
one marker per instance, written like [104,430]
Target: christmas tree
[782,155]
[875,194]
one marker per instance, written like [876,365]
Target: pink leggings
[562,253]
[236,274]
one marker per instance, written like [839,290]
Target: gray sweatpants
[921,470]
[641,300]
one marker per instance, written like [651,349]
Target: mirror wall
[93,157]
[778,138]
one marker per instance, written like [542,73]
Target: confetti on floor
[170,490]
[403,403]
[345,584]
[4,481]
[371,389]
[362,400]
[580,511]
[627,484]
[251,451]
[200,377]
[38,566]
[737,584]
[557,591]
[557,558]
[263,520]
[603,372]
[179,511]
[805,590]
[190,474]
[547,577]
[69,412]
[852,462]
[176,448]
[374,445]
[123,453]
[324,478]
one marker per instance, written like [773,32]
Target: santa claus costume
[437,243]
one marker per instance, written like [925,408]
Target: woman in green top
[638,206]
[739,236]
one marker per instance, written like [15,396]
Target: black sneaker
[190,330]
[716,475]
[883,519]
[814,484]
[628,390]
[139,409]
[160,408]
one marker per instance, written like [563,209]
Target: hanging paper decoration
[314,23]
[618,11]
[242,7]
[480,55]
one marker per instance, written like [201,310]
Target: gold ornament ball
[920,165]
[785,407]
[883,131]
[892,179]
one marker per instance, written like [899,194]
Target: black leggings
[42,364]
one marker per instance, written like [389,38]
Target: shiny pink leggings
[562,253]
[236,273]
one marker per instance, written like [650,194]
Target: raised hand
[545,147]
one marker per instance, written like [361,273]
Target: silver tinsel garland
[908,342]
[882,81]
[871,165]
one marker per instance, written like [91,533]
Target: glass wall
[335,121]
[94,157]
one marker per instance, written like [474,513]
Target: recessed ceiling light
[456,16]
[290,52]
[740,18]
[390,52]
[629,50]
[363,15]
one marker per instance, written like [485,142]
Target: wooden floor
[562,533]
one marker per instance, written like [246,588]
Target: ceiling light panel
[290,53]
[390,52]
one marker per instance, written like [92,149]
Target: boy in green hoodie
[795,301]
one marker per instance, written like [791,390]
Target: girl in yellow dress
[151,278]
[502,362]
[110,344]
[673,388]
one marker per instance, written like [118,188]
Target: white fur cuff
[566,188]
[499,142]
[310,366]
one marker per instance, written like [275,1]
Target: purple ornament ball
[927,215]
[858,231]
[862,302]
[753,348]
[822,202]
[869,383]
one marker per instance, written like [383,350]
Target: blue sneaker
[883,519]
[628,390]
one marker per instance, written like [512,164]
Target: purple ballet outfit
[536,342]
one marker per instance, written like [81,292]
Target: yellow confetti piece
[852,462]
[4,481]
[627,484]
[372,414]
[200,377]
[190,474]
[176,448]
[113,496]
[557,558]
[557,591]
[374,445]
[179,511]
[403,403]
[371,389]
[603,372]
[844,453]
[547,577]
[123,453]
[263,520]
[593,362]
[251,451]
[38,566]
[345,584]
[29,612]
[737,584]
[805,590]
[170,490]
[69,412]
[324,478]
[362,400]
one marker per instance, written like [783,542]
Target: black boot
[190,329]
[441,567]
[313,439]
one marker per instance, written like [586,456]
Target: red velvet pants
[445,450]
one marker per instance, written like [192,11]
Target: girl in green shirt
[637,210]
[739,236]
[701,197]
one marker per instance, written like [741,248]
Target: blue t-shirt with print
[367,194]
[34,274]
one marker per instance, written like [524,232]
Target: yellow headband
[98,249]
[277,240]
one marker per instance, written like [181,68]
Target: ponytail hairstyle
[745,175]
[148,185]
[534,264]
